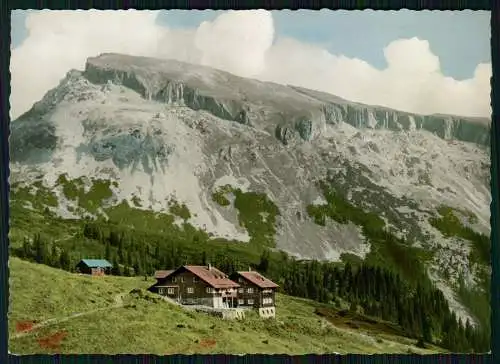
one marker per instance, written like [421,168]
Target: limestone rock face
[251,102]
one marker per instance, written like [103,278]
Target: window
[174,279]
[161,290]
[250,290]
[182,279]
[250,302]
[240,280]
[190,290]
[170,291]
[210,290]
[241,302]
[195,279]
[240,290]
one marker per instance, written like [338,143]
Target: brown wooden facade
[251,295]
[188,286]
[207,286]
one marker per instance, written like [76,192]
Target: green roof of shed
[96,263]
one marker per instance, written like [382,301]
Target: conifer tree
[116,270]
[426,329]
[54,257]
[126,271]
[40,249]
[115,238]
[64,260]
[121,253]
[27,249]
[137,267]
[264,261]
[129,259]
[107,251]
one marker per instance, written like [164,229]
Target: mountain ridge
[335,110]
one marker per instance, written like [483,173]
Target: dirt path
[118,302]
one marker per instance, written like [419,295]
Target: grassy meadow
[53,311]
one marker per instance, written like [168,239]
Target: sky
[423,62]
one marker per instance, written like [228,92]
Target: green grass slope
[56,311]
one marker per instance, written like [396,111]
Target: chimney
[209,266]
[249,268]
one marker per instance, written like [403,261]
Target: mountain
[260,163]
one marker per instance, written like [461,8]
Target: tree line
[40,251]
[420,310]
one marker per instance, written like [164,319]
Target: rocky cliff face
[303,112]
[119,107]
[165,129]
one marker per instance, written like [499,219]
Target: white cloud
[241,43]
[236,41]
[62,40]
[411,82]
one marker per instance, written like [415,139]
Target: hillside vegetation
[83,314]
[390,283]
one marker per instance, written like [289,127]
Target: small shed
[95,267]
